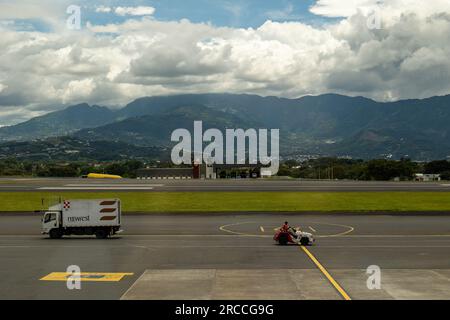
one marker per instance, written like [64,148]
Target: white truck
[83,217]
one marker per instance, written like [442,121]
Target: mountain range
[325,125]
[58,123]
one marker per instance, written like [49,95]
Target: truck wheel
[55,234]
[283,239]
[101,234]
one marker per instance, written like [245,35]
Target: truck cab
[51,221]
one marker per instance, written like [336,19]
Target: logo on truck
[78,219]
[66,204]
[107,210]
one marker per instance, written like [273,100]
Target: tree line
[378,169]
[12,167]
[323,168]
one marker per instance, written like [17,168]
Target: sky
[382,49]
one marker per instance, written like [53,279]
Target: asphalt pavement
[241,185]
[217,254]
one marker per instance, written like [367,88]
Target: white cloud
[347,8]
[50,12]
[77,89]
[113,64]
[135,11]
[103,9]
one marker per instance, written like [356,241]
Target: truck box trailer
[100,217]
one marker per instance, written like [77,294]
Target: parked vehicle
[101,218]
[284,237]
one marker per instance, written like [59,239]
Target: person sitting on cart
[287,228]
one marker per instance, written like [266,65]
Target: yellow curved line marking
[326,274]
[310,255]
[350,230]
[224,228]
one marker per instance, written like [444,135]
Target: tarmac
[241,185]
[232,256]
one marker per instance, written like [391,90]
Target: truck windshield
[50,217]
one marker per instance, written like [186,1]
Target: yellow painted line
[226,228]
[262,229]
[326,274]
[312,229]
[350,230]
[86,276]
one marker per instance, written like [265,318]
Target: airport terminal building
[224,171]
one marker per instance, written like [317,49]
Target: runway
[213,256]
[72,184]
